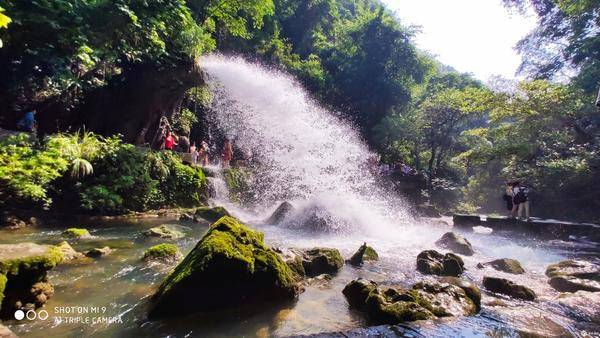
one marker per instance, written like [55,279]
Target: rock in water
[164,253]
[322,260]
[282,211]
[68,252]
[76,233]
[509,288]
[211,214]
[98,252]
[392,305]
[572,275]
[470,289]
[186,218]
[229,267]
[6,333]
[23,275]
[364,253]
[432,262]
[504,264]
[169,231]
[455,243]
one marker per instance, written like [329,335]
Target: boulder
[364,253]
[211,214]
[393,305]
[432,262]
[68,252]
[282,211]
[504,264]
[466,221]
[293,258]
[6,333]
[186,218]
[98,252]
[509,288]
[164,253]
[573,275]
[168,231]
[455,243]
[470,289]
[76,233]
[229,267]
[322,260]
[23,275]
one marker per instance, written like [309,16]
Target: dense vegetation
[105,65]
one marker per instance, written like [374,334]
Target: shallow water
[119,286]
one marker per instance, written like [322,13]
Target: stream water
[304,154]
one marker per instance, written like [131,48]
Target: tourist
[515,204]
[508,198]
[521,196]
[170,141]
[194,153]
[203,153]
[227,153]
[183,144]
[27,123]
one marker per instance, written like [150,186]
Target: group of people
[516,197]
[199,154]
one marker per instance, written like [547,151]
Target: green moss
[171,231]
[3,281]
[370,254]
[76,233]
[211,214]
[32,265]
[230,263]
[238,182]
[163,251]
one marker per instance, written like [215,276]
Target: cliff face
[131,104]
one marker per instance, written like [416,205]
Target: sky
[472,36]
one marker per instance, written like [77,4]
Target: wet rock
[319,281]
[186,218]
[76,233]
[98,252]
[432,262]
[504,264]
[282,211]
[364,253]
[23,267]
[229,266]
[455,243]
[392,305]
[466,221]
[211,214]
[573,275]
[13,222]
[470,289]
[6,333]
[322,260]
[68,252]
[168,231]
[164,253]
[509,288]
[293,258]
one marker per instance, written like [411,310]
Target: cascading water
[306,154]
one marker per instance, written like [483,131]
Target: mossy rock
[574,275]
[318,261]
[455,243]
[22,266]
[76,233]
[279,215]
[393,305]
[165,252]
[504,264]
[3,281]
[229,267]
[68,252]
[364,253]
[509,288]
[168,231]
[293,258]
[212,214]
[431,262]
[238,182]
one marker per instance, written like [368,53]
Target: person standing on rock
[170,141]
[227,153]
[508,198]
[522,196]
[194,153]
[514,186]
[203,154]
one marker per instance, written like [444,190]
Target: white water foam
[306,154]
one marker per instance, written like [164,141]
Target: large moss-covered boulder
[317,261]
[509,288]
[211,214]
[364,253]
[23,275]
[279,215]
[574,275]
[425,300]
[431,262]
[229,267]
[163,253]
[76,233]
[455,243]
[166,231]
[505,265]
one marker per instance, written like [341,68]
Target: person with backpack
[521,198]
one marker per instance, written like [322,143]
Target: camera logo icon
[31,315]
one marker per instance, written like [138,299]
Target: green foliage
[184,121]
[4,21]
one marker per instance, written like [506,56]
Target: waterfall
[307,155]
